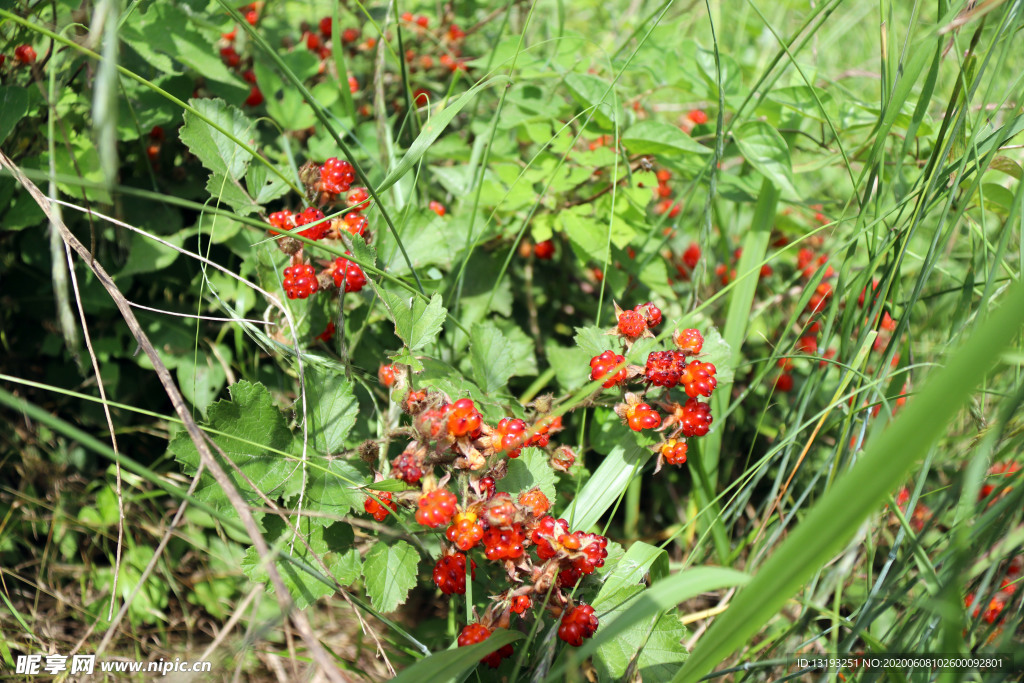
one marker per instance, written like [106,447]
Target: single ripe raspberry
[663,175]
[348,274]
[379,511]
[350,35]
[651,313]
[545,250]
[691,257]
[807,344]
[602,366]
[466,530]
[511,434]
[674,452]
[356,223]
[249,76]
[312,215]
[543,429]
[569,577]
[455,33]
[336,176]
[577,624]
[252,16]
[230,56]
[422,21]
[632,324]
[487,487]
[438,208]
[386,375]
[545,536]
[521,603]
[689,341]
[464,419]
[784,383]
[594,549]
[299,281]
[25,54]
[282,220]
[504,544]
[312,40]
[699,379]
[642,416]
[407,467]
[535,501]
[358,197]
[478,633]
[255,97]
[436,508]
[821,296]
[326,26]
[696,419]
[697,116]
[664,368]
[500,511]
[328,334]
[450,573]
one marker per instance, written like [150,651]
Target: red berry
[651,313]
[465,531]
[504,544]
[543,429]
[784,382]
[358,197]
[436,508]
[664,368]
[632,324]
[691,256]
[353,85]
[255,97]
[546,534]
[544,250]
[344,271]
[312,41]
[487,487]
[535,501]
[455,33]
[521,603]
[336,176]
[299,281]
[594,549]
[699,379]
[282,220]
[663,175]
[438,208]
[422,21]
[563,459]
[477,633]
[689,341]
[379,511]
[326,25]
[602,366]
[407,467]
[249,76]
[821,296]
[674,452]
[356,223]
[350,35]
[312,215]
[696,419]
[464,419]
[407,17]
[500,511]
[450,573]
[642,416]
[386,375]
[230,56]
[697,116]
[511,433]
[807,344]
[577,624]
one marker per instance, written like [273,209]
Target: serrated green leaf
[334,485]
[587,90]
[765,149]
[660,647]
[491,357]
[215,150]
[404,357]
[231,193]
[631,570]
[332,408]
[521,348]
[456,662]
[200,379]
[655,137]
[593,341]
[416,323]
[530,470]
[432,129]
[570,364]
[389,572]
[251,426]
[262,185]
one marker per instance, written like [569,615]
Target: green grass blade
[835,518]
[449,664]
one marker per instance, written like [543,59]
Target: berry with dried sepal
[535,501]
[521,603]
[336,176]
[464,419]
[504,544]
[386,375]
[300,281]
[650,312]
[348,275]
[578,624]
[689,341]
[466,530]
[641,416]
[478,633]
[593,549]
[665,368]
[699,379]
[450,573]
[407,467]
[674,451]
[632,324]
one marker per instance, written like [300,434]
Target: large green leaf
[332,408]
[13,106]
[416,323]
[491,355]
[765,149]
[530,470]
[655,137]
[883,466]
[389,572]
[218,152]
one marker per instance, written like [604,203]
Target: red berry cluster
[336,176]
[436,508]
[478,633]
[299,281]
[450,573]
[992,612]
[376,509]
[578,623]
[601,367]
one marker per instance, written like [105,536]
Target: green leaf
[217,152]
[332,408]
[631,570]
[606,485]
[657,640]
[148,256]
[655,137]
[389,572]
[264,186]
[660,597]
[200,379]
[231,193]
[763,147]
[834,519]
[588,90]
[250,427]
[416,323]
[530,470]
[491,356]
[335,485]
[13,107]
[455,662]
[432,129]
